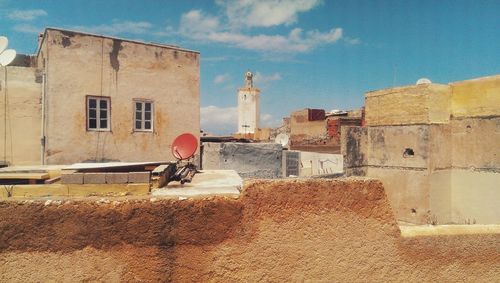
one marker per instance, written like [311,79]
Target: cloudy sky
[305,53]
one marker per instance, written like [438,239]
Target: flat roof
[169,46]
[492,77]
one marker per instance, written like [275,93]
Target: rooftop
[169,46]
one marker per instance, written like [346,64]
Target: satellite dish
[282,139]
[3,43]
[184,146]
[423,81]
[6,56]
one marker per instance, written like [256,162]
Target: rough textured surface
[72,178]
[117,178]
[414,104]
[94,178]
[250,160]
[278,231]
[451,131]
[476,97]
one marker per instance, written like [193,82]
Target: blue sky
[305,53]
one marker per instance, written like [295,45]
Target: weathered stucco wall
[477,97]
[453,175]
[417,104]
[250,160]
[277,231]
[78,65]
[475,143]
[20,115]
[301,129]
[315,164]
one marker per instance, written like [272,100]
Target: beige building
[89,97]
[435,148]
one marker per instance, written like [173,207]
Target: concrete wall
[474,142]
[316,164]
[452,130]
[77,65]
[20,115]
[250,160]
[277,231]
[379,152]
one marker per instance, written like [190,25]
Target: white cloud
[352,41]
[223,121]
[118,27]
[195,21]
[264,79]
[27,28]
[268,121]
[26,15]
[219,120]
[198,26]
[265,13]
[221,78]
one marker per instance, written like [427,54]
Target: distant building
[248,106]
[86,97]
[317,131]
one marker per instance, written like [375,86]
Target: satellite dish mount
[183,149]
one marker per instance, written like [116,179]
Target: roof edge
[174,47]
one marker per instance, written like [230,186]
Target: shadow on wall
[337,230]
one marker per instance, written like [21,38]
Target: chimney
[40,38]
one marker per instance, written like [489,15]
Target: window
[98,113]
[143,115]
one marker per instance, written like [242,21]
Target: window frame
[143,118]
[98,113]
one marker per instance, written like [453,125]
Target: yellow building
[435,147]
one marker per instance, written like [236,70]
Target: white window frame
[142,119]
[98,109]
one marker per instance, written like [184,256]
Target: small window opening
[408,153]
[98,109]
[143,116]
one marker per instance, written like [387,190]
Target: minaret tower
[248,106]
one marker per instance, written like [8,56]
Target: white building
[248,106]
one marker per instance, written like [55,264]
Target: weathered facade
[20,115]
[97,98]
[316,131]
[433,146]
[250,160]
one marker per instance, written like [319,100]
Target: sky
[304,53]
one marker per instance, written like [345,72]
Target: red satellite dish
[184,146]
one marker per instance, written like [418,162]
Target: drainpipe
[5,117]
[42,139]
